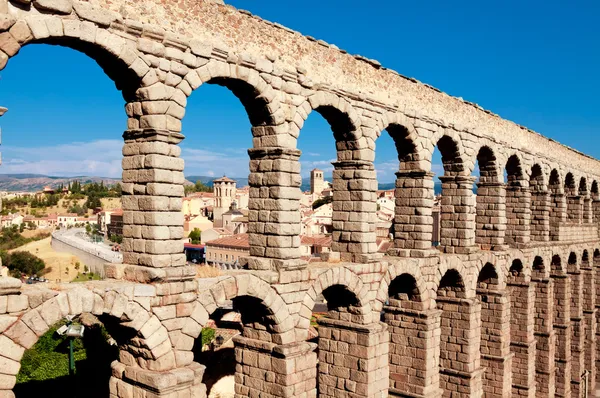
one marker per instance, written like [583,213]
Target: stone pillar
[496,357]
[562,326]
[274,222]
[540,216]
[413,221]
[355,211]
[588,215]
[596,209]
[133,381]
[577,333]
[558,214]
[272,370]
[460,364]
[491,215]
[589,320]
[574,208]
[518,214]
[152,199]
[545,336]
[353,359]
[457,214]
[522,339]
[414,351]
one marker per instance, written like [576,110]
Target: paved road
[77,237]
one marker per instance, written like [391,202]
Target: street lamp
[72,331]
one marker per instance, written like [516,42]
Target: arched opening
[518,197]
[540,206]
[412,331]
[457,201]
[238,337]
[72,174]
[558,205]
[346,197]
[586,201]
[543,319]
[407,205]
[595,198]
[459,358]
[574,203]
[562,326]
[225,194]
[342,333]
[44,367]
[490,202]
[495,330]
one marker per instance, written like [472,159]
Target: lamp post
[72,331]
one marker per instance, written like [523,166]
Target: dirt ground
[59,266]
[206,271]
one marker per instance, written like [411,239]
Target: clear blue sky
[534,62]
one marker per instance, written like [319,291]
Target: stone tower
[224,190]
[317,182]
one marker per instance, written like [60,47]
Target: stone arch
[537,179]
[488,165]
[342,280]
[572,263]
[394,271]
[570,187]
[452,284]
[273,312]
[117,56]
[596,257]
[514,170]
[138,327]
[488,277]
[405,139]
[594,189]
[556,265]
[538,268]
[517,271]
[583,186]
[452,151]
[256,95]
[339,113]
[455,265]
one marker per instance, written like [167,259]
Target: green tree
[25,262]
[195,236]
[322,201]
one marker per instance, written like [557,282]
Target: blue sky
[534,62]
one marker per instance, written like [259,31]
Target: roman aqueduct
[506,306]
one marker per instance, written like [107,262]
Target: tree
[322,201]
[88,229]
[77,265]
[24,262]
[195,236]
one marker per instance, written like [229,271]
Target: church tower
[224,192]
[317,182]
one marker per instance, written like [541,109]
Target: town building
[192,222]
[224,193]
[227,251]
[197,203]
[11,219]
[115,227]
[67,220]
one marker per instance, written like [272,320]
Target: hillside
[37,182]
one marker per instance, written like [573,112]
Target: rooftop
[239,241]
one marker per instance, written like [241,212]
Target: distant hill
[37,182]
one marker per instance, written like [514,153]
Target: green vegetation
[22,263]
[116,239]
[199,186]
[322,201]
[45,367]
[208,334]
[11,238]
[87,277]
[195,236]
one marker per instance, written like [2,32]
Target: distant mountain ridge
[37,182]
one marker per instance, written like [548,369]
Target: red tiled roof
[224,179]
[239,241]
[192,246]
